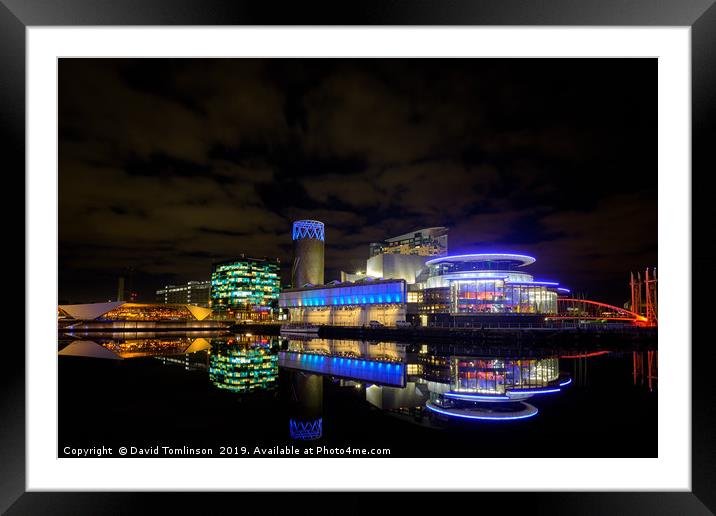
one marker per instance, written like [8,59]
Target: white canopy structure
[92,311]
[87,348]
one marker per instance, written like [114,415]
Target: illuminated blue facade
[347,294]
[306,229]
[347,304]
[373,371]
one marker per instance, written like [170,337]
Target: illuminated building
[404,256]
[501,376]
[423,242]
[435,300]
[352,277]
[121,311]
[337,303]
[243,364]
[121,317]
[494,388]
[386,397]
[88,349]
[245,288]
[308,242]
[474,290]
[435,368]
[349,348]
[154,346]
[433,381]
[347,304]
[193,293]
[487,284]
[382,363]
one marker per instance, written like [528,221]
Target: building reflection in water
[466,385]
[427,384]
[580,365]
[306,412]
[482,387]
[243,363]
[645,368]
[382,363]
[132,346]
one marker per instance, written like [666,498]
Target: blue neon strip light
[477,278]
[551,283]
[474,396]
[537,391]
[566,382]
[487,256]
[488,418]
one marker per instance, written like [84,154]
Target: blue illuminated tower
[308,239]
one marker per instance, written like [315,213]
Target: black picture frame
[17,15]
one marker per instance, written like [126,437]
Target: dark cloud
[168,165]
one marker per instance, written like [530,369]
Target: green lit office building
[245,288]
[244,364]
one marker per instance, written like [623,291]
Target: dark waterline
[161,396]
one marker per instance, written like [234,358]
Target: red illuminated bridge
[583,309]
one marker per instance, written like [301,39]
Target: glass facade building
[245,287]
[435,300]
[498,296]
[193,293]
[243,366]
[501,375]
[489,284]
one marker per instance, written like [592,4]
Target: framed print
[410,249]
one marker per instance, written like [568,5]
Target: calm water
[418,400]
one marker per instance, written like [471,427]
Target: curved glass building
[490,283]
[501,376]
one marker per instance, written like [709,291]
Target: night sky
[169,165]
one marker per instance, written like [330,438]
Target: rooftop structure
[485,261]
[404,256]
[307,229]
[422,242]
